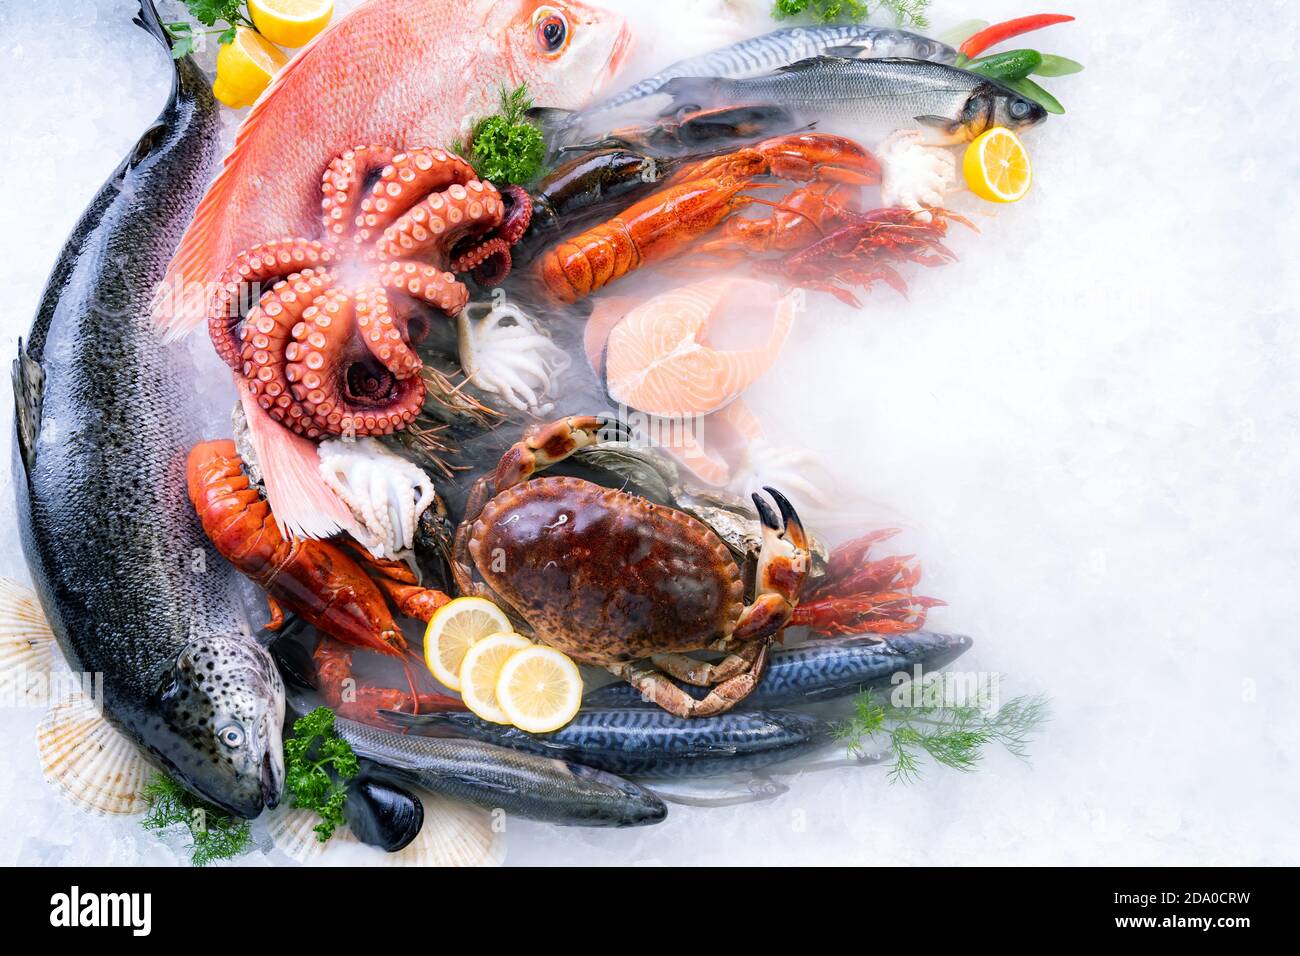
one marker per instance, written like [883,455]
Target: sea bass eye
[552,31]
[1019,109]
[232,735]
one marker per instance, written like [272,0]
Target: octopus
[504,352]
[386,493]
[329,347]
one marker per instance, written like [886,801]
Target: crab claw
[544,445]
[794,532]
[783,560]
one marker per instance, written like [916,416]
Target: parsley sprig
[951,735]
[318,764]
[213,833]
[232,13]
[507,147]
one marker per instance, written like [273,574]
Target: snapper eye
[552,30]
[232,735]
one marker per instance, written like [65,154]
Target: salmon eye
[232,735]
[552,31]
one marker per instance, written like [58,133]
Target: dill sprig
[853,11]
[214,834]
[951,735]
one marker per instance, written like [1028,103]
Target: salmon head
[216,726]
[566,52]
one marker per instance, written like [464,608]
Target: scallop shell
[89,760]
[27,645]
[453,835]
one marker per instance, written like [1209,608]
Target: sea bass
[768,52]
[129,582]
[488,776]
[392,72]
[878,96]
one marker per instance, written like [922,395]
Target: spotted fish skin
[131,586]
[649,742]
[825,669]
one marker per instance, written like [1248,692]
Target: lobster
[695,200]
[342,596]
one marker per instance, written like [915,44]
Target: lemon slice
[997,166]
[290,22]
[453,629]
[539,689]
[480,669]
[245,67]
[230,96]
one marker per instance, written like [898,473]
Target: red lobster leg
[399,584]
[858,595]
[348,699]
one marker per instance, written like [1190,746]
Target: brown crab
[618,582]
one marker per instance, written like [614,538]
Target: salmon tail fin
[302,503]
[149,21]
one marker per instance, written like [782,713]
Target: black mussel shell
[382,814]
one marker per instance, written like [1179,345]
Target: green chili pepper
[1012,65]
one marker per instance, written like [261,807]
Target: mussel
[381,813]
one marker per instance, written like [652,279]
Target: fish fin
[848,51]
[941,123]
[550,117]
[27,645]
[689,93]
[454,834]
[29,391]
[815,62]
[303,505]
[149,21]
[181,303]
[89,759]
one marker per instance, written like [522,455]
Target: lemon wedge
[456,627]
[539,689]
[291,23]
[997,166]
[480,669]
[245,67]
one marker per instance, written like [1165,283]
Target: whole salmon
[105,414]
[392,72]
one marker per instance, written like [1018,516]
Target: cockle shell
[453,834]
[83,755]
[27,647]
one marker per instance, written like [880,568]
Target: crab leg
[544,445]
[655,686]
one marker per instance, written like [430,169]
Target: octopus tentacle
[385,334]
[342,185]
[267,335]
[262,263]
[427,283]
[405,180]
[441,219]
[338,388]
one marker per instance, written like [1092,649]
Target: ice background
[1089,424]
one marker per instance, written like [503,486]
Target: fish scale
[131,586]
[780,48]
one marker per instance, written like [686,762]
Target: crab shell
[606,576]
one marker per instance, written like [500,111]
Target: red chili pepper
[998,32]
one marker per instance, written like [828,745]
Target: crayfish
[341,590]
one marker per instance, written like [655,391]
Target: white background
[1088,424]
